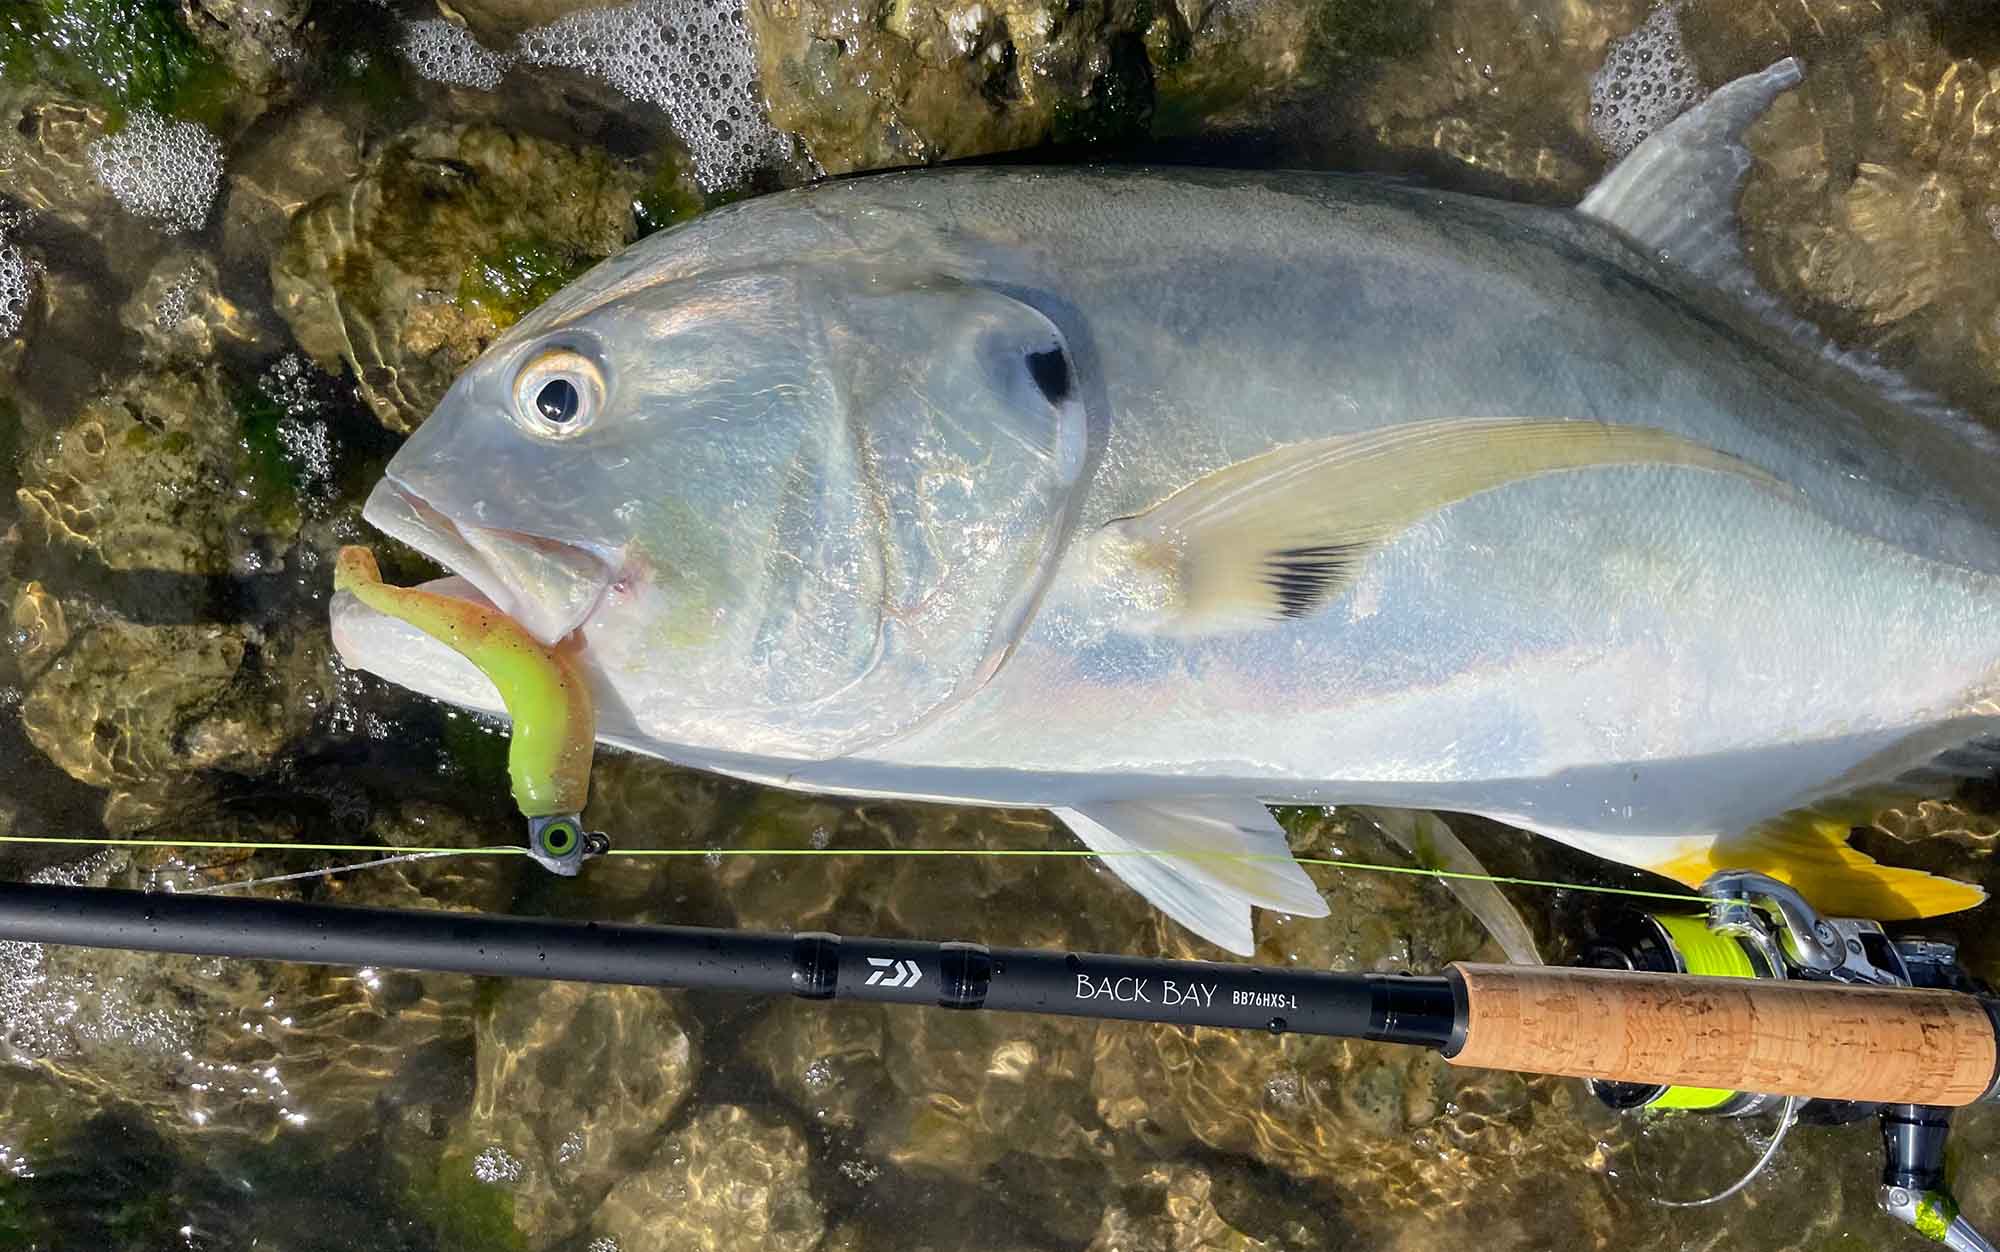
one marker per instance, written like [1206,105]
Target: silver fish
[1151,498]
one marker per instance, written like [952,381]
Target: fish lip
[584,572]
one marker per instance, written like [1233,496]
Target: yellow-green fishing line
[555,727]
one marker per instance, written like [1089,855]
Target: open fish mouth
[549,586]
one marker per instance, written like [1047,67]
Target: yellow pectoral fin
[555,729]
[1810,851]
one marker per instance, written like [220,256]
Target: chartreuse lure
[546,696]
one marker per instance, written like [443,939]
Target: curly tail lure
[555,727]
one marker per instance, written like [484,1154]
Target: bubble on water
[1645,82]
[691,58]
[1993,220]
[17,278]
[603,1243]
[861,1172]
[496,1165]
[445,53]
[174,299]
[165,172]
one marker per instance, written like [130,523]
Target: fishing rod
[1759,1000]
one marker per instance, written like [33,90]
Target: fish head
[789,509]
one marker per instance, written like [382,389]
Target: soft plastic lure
[555,727]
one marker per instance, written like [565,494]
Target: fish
[1156,497]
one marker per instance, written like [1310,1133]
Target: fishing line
[421,853]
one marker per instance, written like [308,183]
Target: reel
[1757,927]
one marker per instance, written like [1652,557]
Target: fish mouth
[550,586]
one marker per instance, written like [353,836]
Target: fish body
[1152,497]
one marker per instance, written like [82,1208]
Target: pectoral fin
[1203,861]
[1279,536]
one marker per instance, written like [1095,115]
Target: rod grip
[1893,1045]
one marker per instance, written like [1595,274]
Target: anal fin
[1204,861]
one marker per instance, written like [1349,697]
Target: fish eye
[558,392]
[557,400]
[1050,370]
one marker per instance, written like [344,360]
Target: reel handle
[1835,1041]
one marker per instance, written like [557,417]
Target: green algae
[124,54]
[466,1214]
[507,281]
[668,199]
[267,469]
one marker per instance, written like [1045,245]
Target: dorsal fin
[1675,196]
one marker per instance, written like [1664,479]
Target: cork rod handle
[1892,1045]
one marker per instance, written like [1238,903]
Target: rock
[1872,206]
[128,706]
[1169,1210]
[277,171]
[156,478]
[180,314]
[498,23]
[259,41]
[574,1080]
[39,629]
[830,1066]
[733,1178]
[1499,92]
[384,276]
[873,85]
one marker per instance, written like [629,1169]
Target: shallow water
[244,247]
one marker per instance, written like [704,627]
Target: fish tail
[1810,851]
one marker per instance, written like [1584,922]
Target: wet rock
[123,54]
[259,41]
[39,629]
[574,1081]
[831,1066]
[371,276]
[1871,205]
[127,706]
[1170,1210]
[276,172]
[873,85]
[155,478]
[733,1178]
[180,314]
[498,23]
[1499,92]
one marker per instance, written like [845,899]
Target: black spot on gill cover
[1306,578]
[1050,370]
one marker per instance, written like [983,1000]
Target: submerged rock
[1872,206]
[575,1081]
[155,477]
[373,276]
[127,706]
[1169,1210]
[734,1178]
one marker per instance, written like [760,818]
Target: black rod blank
[1390,1007]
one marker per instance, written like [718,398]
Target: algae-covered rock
[259,41]
[126,54]
[179,312]
[734,1178]
[155,478]
[374,277]
[574,1081]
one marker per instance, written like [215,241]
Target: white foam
[166,172]
[1645,82]
[17,278]
[692,58]
[445,53]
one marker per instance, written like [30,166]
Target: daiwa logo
[889,973]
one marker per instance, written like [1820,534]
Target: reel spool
[1670,943]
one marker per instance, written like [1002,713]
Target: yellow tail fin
[1810,851]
